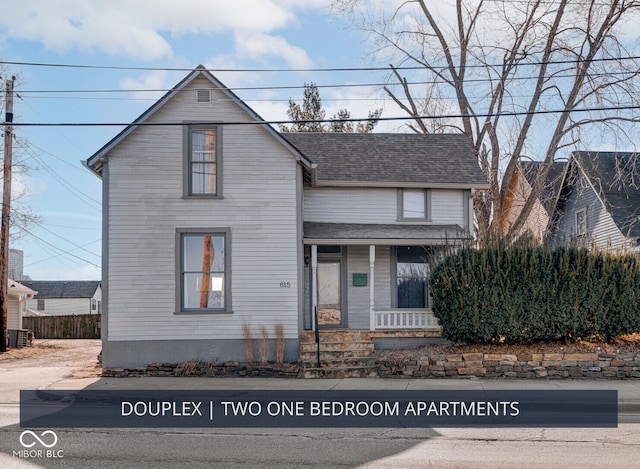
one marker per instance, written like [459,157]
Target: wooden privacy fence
[76,326]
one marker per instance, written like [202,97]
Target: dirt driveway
[79,356]
[49,364]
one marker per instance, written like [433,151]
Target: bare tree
[530,78]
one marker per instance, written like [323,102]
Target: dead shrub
[279,344]
[264,345]
[248,342]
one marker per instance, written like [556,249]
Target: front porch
[369,287]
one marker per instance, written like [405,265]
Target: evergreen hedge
[524,294]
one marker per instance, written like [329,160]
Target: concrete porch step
[337,335]
[335,355]
[337,346]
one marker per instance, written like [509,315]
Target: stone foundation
[597,365]
[205,369]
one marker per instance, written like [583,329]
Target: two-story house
[598,205]
[213,221]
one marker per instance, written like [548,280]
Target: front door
[330,306]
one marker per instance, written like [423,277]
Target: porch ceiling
[381,234]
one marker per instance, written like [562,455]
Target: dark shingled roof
[431,159]
[616,178]
[62,288]
[389,232]
[552,184]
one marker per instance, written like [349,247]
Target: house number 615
[285,284]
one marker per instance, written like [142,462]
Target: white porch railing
[404,319]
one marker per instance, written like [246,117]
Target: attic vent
[203,96]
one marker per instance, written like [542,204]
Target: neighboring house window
[40,305]
[581,223]
[203,168]
[94,304]
[204,277]
[412,273]
[414,204]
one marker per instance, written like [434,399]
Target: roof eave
[396,184]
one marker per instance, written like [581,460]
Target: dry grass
[264,345]
[279,344]
[248,342]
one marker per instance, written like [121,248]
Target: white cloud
[152,81]
[138,28]
[256,44]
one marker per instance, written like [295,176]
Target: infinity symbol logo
[38,439]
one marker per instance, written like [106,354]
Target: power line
[284,70]
[327,121]
[68,241]
[81,196]
[319,86]
[61,251]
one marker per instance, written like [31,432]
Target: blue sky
[259,34]
[139,44]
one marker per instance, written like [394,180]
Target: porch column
[372,265]
[314,284]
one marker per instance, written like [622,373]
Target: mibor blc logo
[38,445]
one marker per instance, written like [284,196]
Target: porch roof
[381,234]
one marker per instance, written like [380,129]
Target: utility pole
[6,212]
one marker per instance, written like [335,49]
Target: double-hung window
[203,168]
[412,274]
[414,204]
[203,271]
[581,223]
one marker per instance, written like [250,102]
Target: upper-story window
[203,176]
[581,222]
[414,204]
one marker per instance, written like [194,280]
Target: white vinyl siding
[601,229]
[64,306]
[146,205]
[358,262]
[448,207]
[14,315]
[350,205]
[377,205]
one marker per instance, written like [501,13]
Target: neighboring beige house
[520,188]
[18,295]
[213,220]
[65,297]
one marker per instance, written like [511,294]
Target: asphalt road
[302,448]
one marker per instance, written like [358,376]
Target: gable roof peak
[94,163]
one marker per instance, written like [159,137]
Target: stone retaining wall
[538,365]
[596,365]
[207,369]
